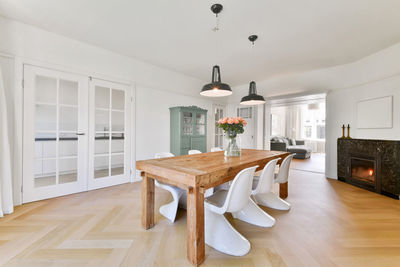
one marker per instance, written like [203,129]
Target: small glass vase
[233,147]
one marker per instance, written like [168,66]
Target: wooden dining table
[196,173]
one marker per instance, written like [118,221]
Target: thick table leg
[195,226]
[283,190]
[147,202]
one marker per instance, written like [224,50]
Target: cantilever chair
[262,187]
[219,233]
[169,210]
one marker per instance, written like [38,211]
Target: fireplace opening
[363,170]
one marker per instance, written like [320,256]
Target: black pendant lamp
[252,98]
[216,88]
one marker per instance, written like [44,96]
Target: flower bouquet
[232,127]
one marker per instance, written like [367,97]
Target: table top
[205,169]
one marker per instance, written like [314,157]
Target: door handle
[80,133]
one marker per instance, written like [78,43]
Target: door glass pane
[68,119]
[45,117]
[101,166]
[102,143]
[68,170]
[200,118]
[102,120]
[68,145]
[46,90]
[117,164]
[118,121]
[118,99]
[45,173]
[68,92]
[187,123]
[45,145]
[102,97]
[117,143]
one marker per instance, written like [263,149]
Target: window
[218,133]
[308,131]
[321,131]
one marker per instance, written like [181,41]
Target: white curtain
[6,199]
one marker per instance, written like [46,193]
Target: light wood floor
[330,224]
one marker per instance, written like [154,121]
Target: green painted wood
[188,129]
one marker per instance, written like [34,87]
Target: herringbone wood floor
[330,224]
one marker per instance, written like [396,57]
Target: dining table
[197,173]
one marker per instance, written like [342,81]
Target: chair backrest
[266,180]
[160,155]
[240,190]
[283,174]
[215,149]
[194,151]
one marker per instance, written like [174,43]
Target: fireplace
[364,171]
[370,164]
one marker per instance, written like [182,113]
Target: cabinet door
[199,143]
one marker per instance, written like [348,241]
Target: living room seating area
[281,143]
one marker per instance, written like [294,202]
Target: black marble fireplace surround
[370,164]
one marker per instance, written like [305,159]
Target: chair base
[169,210]
[220,235]
[271,200]
[253,214]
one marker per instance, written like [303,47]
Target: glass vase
[233,147]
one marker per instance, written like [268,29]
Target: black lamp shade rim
[252,97]
[219,86]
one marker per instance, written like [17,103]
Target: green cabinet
[188,127]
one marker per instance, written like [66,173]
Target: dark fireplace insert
[364,170]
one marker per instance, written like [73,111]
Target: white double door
[76,133]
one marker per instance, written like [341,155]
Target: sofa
[281,143]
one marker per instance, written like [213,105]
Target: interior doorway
[298,125]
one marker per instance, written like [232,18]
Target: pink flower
[220,121]
[230,121]
[225,120]
[235,120]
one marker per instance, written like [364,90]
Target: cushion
[286,141]
[292,142]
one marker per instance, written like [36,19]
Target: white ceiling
[294,36]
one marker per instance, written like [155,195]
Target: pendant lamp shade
[252,98]
[216,88]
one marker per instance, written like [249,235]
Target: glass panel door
[55,145]
[200,124]
[187,123]
[109,146]
[219,113]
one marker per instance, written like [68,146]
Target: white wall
[153,120]
[157,88]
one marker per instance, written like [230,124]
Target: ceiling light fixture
[216,88]
[252,98]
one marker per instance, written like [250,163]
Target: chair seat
[216,201]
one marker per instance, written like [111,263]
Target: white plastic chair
[194,151]
[262,189]
[283,173]
[215,149]
[219,233]
[169,210]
